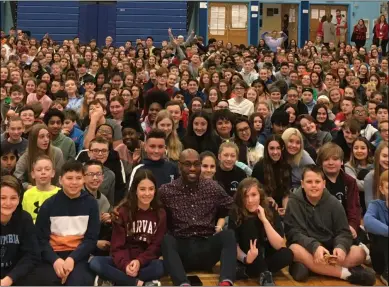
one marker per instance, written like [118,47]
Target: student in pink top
[40,96]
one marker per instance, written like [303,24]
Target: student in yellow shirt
[42,173]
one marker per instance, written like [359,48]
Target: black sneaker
[266,279]
[299,272]
[384,277]
[240,273]
[361,276]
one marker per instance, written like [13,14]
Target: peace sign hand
[253,252]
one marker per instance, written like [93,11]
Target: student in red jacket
[382,31]
[136,238]
[360,31]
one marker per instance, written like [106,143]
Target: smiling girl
[208,165]
[165,122]
[298,158]
[274,172]
[39,143]
[199,134]
[136,237]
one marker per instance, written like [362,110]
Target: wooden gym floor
[281,279]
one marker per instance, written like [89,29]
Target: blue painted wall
[58,18]
[151,18]
[364,10]
[129,20]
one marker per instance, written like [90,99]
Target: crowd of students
[121,165]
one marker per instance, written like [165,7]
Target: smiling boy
[68,227]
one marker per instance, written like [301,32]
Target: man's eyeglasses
[359,113]
[189,164]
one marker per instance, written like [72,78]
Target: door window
[239,16]
[218,20]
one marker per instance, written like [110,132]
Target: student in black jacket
[227,173]
[259,234]
[275,173]
[19,245]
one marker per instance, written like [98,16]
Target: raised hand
[253,252]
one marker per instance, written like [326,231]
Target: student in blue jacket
[376,222]
[68,227]
[155,150]
[19,244]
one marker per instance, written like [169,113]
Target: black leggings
[273,261]
[379,252]
[384,46]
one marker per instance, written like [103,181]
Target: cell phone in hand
[195,280]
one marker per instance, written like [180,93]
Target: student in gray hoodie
[316,226]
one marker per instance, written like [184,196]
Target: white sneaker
[101,282]
[153,283]
[96,283]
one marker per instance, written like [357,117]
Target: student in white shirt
[239,104]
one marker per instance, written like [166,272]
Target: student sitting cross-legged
[136,237]
[19,244]
[316,227]
[67,227]
[259,234]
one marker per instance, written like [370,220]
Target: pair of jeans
[270,260]
[106,269]
[199,253]
[379,252]
[44,275]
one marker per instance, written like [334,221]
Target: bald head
[188,153]
[190,166]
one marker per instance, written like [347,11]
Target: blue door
[106,23]
[97,21]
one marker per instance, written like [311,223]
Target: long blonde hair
[173,143]
[287,134]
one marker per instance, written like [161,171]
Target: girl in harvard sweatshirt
[136,237]
[19,245]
